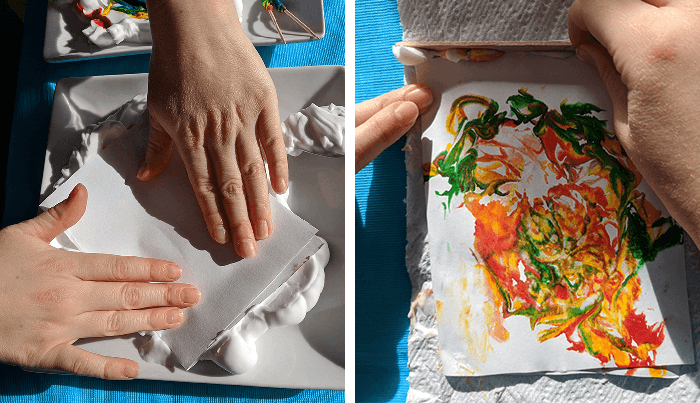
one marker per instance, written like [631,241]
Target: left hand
[381,121]
[210,94]
[50,297]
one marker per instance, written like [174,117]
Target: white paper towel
[484,20]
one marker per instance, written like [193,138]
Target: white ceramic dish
[64,40]
[310,355]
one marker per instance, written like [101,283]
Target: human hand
[648,58]
[210,94]
[381,121]
[51,297]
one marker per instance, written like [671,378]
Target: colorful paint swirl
[98,10]
[561,227]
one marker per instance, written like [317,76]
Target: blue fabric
[35,86]
[383,291]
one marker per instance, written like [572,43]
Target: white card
[161,219]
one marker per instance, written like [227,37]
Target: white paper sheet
[473,338]
[161,219]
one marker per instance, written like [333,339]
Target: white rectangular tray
[310,355]
[64,40]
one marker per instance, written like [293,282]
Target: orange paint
[561,252]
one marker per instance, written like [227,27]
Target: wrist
[171,18]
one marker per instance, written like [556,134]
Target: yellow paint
[659,372]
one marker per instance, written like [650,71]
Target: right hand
[381,121]
[210,95]
[50,297]
[648,56]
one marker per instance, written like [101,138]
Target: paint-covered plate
[65,41]
[310,355]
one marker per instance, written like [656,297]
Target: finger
[119,322]
[105,296]
[78,361]
[270,136]
[160,146]
[382,130]
[233,195]
[601,18]
[54,221]
[416,93]
[203,179]
[102,267]
[255,182]
[596,55]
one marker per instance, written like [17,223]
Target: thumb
[54,221]
[160,146]
[382,130]
[598,56]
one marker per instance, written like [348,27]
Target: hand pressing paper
[161,219]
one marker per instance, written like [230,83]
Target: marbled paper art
[549,251]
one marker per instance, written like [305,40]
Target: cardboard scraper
[161,219]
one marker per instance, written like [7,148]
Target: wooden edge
[495,45]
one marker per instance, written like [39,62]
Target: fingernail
[130,372]
[283,185]
[174,316]
[220,234]
[246,248]
[421,96]
[405,111]
[142,170]
[72,193]
[191,295]
[261,231]
[174,272]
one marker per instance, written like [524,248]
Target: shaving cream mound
[317,129]
[115,21]
[234,349]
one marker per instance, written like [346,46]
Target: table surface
[380,222]
[36,81]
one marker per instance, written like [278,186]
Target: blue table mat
[382,285]
[36,82]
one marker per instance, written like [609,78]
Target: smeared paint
[133,8]
[561,227]
[472,55]
[467,289]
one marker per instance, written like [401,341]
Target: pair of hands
[212,98]
[647,55]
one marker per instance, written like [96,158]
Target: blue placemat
[383,289]
[35,85]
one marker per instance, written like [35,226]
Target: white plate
[310,355]
[65,41]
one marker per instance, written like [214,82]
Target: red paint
[95,15]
